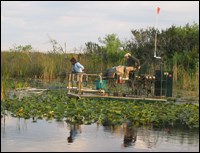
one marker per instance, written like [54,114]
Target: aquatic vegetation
[57,105]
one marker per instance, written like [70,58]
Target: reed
[4,86]
[47,65]
[3,95]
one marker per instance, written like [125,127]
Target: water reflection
[20,124]
[127,131]
[130,134]
[154,139]
[52,136]
[75,129]
[3,121]
[150,136]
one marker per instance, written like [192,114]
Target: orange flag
[158,10]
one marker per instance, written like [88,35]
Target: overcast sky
[77,22]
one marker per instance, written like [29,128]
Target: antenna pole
[156,35]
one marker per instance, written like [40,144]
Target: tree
[111,48]
[94,52]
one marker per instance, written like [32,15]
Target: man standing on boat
[77,68]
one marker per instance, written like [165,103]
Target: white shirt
[77,67]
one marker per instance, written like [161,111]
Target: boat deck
[123,98]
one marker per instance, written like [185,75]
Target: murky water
[19,135]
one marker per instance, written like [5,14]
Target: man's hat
[127,54]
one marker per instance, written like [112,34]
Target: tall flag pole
[157,11]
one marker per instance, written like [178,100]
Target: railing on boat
[78,78]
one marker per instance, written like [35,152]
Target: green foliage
[111,49]
[37,64]
[95,54]
[180,39]
[178,47]
[20,48]
[84,111]
[111,43]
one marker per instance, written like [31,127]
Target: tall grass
[2,90]
[47,66]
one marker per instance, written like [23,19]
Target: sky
[74,23]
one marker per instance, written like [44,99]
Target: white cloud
[79,22]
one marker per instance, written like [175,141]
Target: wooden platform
[79,91]
[127,98]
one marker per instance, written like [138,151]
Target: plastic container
[119,79]
[100,85]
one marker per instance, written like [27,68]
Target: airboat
[155,86]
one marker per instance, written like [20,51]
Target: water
[19,135]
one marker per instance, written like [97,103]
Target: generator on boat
[145,85]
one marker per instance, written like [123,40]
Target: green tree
[112,52]
[179,39]
[94,53]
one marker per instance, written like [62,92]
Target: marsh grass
[2,91]
[47,66]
